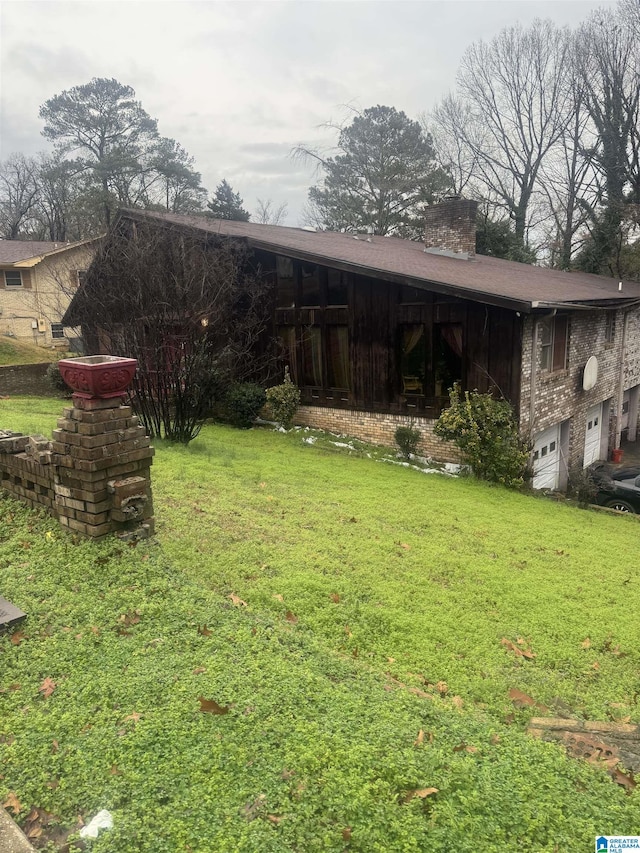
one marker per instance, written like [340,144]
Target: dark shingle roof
[482,278]
[12,251]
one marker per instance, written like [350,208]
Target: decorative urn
[98,376]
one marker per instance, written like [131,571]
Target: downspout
[616,443]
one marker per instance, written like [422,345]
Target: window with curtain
[553,340]
[413,358]
[287,341]
[337,345]
[312,356]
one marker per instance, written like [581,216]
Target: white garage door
[546,458]
[593,435]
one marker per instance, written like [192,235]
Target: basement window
[57,330]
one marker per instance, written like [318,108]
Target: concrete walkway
[12,840]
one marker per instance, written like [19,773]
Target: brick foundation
[94,476]
[377,428]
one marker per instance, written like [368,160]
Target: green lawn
[336,607]
[14,351]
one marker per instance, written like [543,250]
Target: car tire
[620,505]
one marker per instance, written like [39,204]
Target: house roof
[483,279]
[28,253]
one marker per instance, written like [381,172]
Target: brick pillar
[101,459]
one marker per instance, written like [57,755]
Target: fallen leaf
[391,660]
[595,665]
[465,747]
[237,600]
[420,793]
[47,687]
[586,643]
[405,546]
[521,700]
[17,637]
[346,833]
[420,739]
[335,597]
[354,653]
[132,618]
[135,717]
[525,653]
[278,597]
[204,631]
[250,810]
[13,803]
[457,701]
[417,692]
[199,669]
[290,617]
[495,739]
[442,687]
[115,771]
[55,746]
[210,706]
[347,631]
[95,630]
[274,818]
[620,778]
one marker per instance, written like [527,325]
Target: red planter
[616,455]
[101,376]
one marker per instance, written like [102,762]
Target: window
[286,290]
[610,327]
[553,337]
[413,359]
[312,356]
[287,339]
[337,288]
[13,278]
[338,371]
[310,286]
[57,330]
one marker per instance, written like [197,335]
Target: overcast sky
[238,84]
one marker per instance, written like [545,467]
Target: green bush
[408,438]
[283,401]
[243,402]
[54,379]
[486,431]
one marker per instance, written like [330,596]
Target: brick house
[37,279]
[376,329]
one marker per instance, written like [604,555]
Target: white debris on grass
[103,820]
[311,439]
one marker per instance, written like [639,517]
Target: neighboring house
[377,329]
[37,281]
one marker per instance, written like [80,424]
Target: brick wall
[376,428]
[451,225]
[559,395]
[26,379]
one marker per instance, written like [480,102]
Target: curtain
[338,357]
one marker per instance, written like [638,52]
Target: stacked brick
[94,476]
[102,459]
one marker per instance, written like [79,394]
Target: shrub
[243,402]
[583,484]
[408,438]
[54,378]
[283,401]
[486,431]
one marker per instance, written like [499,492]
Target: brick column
[101,459]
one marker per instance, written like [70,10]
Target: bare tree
[267,213]
[191,307]
[19,195]
[516,106]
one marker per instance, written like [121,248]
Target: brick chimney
[450,227]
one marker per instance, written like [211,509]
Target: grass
[348,606]
[14,351]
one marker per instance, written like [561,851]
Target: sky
[240,84]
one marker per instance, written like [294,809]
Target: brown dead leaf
[420,793]
[495,739]
[418,692]
[95,629]
[47,687]
[274,818]
[405,546]
[354,653]
[210,706]
[278,597]
[199,670]
[131,618]
[346,833]
[135,716]
[458,701]
[595,665]
[204,631]
[525,653]
[442,687]
[626,780]
[17,637]
[13,803]
[586,643]
[335,597]
[291,617]
[55,746]
[115,771]
[522,700]
[347,631]
[420,739]
[250,810]
[237,600]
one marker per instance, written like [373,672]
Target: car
[617,488]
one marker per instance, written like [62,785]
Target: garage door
[546,458]
[593,435]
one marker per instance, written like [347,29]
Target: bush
[408,438]
[243,402]
[284,401]
[54,378]
[486,431]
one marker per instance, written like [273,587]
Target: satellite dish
[590,375]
